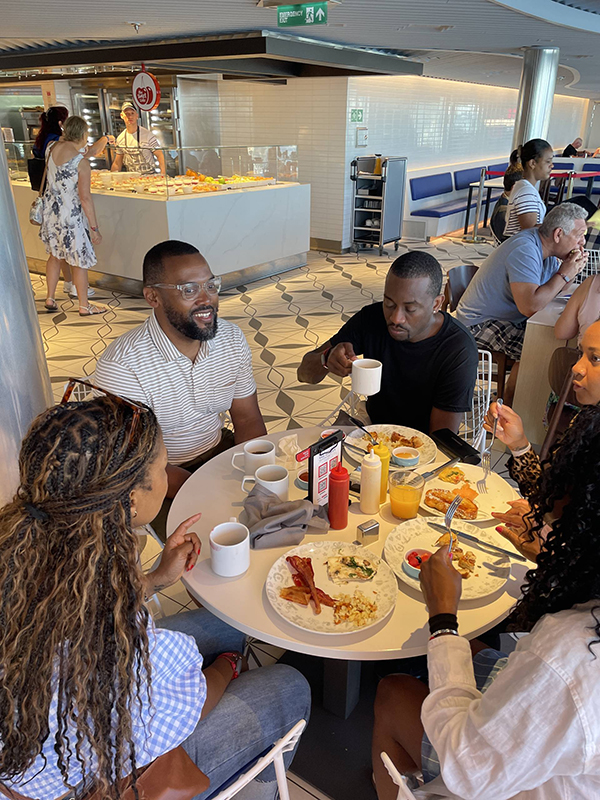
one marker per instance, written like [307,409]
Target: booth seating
[589,168]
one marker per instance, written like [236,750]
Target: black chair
[498,219]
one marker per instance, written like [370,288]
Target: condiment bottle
[370,483]
[339,494]
[384,454]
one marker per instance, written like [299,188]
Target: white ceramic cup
[272,477]
[366,376]
[229,549]
[257,453]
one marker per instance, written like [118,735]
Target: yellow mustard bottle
[384,454]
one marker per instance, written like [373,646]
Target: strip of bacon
[303,592]
[304,567]
[295,594]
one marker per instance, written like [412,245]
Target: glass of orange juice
[406,488]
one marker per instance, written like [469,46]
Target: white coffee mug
[366,376]
[272,477]
[229,549]
[256,453]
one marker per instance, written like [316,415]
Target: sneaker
[70,289]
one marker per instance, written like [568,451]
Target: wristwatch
[564,277]
[235,659]
[325,356]
[94,229]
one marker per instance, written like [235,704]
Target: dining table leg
[590,186]
[468,213]
[487,206]
[341,686]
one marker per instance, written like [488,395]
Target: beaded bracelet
[440,621]
[443,631]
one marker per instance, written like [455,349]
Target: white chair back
[404,793]
[591,268]
[274,756]
[472,428]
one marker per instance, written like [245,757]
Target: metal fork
[450,516]
[486,457]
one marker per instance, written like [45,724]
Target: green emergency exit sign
[302,14]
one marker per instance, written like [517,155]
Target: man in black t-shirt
[574,149]
[429,358]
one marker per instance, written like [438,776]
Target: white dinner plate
[499,492]
[382,589]
[427,452]
[491,570]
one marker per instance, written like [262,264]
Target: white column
[25,389]
[536,94]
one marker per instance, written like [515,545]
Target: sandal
[53,305]
[90,311]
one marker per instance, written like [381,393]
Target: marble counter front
[244,234]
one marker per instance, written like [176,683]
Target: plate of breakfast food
[331,587]
[462,480]
[394,436]
[410,544]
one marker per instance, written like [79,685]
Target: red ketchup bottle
[339,493]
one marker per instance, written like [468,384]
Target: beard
[188,327]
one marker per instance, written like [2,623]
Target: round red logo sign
[146,91]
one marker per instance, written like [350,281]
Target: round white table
[215,490]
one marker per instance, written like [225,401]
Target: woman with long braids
[90,689]
[526,726]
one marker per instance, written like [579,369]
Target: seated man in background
[429,359]
[184,363]
[574,149]
[519,279]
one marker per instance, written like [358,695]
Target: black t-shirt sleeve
[455,384]
[569,151]
[353,332]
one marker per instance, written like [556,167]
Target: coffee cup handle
[233,458]
[244,480]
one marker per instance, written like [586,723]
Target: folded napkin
[276,523]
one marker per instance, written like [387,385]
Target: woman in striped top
[525,206]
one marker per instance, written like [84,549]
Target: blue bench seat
[452,207]
[440,184]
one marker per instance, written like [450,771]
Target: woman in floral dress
[69,227]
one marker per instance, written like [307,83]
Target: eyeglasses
[190,291]
[85,395]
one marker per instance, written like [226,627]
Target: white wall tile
[437,124]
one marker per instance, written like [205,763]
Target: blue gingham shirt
[178,695]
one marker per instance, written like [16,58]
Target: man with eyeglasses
[185,363]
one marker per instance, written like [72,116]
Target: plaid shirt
[178,695]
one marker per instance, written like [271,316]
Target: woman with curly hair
[90,689]
[524,464]
[526,726]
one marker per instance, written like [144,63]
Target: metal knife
[433,472]
[470,538]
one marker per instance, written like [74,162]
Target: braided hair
[568,566]
[71,593]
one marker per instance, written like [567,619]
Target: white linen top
[535,733]
[187,396]
[523,199]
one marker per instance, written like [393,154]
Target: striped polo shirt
[186,396]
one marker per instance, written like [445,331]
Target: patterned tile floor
[282,317]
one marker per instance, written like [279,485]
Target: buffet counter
[244,234]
